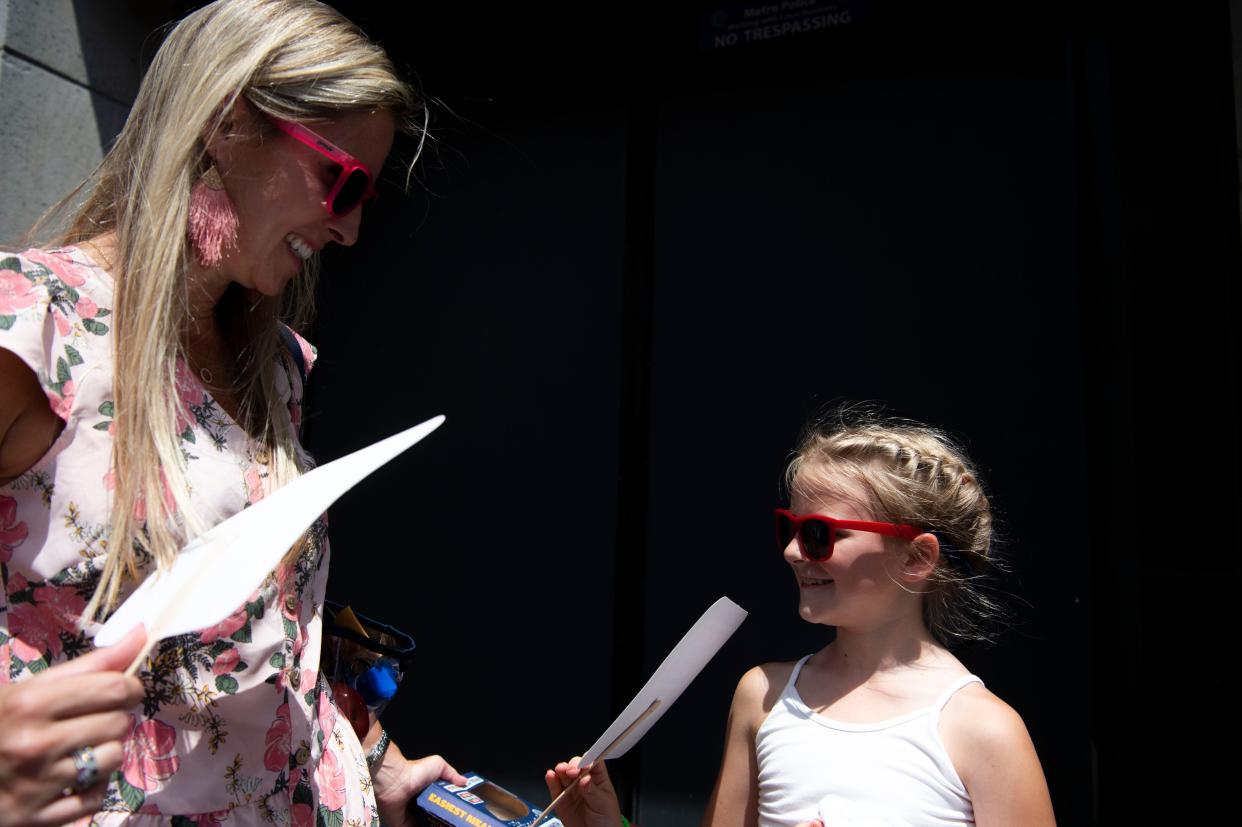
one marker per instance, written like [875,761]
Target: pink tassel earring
[213,221]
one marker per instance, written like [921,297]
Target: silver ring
[88,769]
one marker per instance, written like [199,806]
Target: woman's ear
[921,557]
[236,124]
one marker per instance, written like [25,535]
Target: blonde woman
[151,389]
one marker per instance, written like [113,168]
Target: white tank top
[893,773]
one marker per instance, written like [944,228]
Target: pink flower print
[226,663]
[211,819]
[301,815]
[308,352]
[16,292]
[63,325]
[40,624]
[37,627]
[149,756]
[62,404]
[12,533]
[225,628]
[278,742]
[327,714]
[25,651]
[86,308]
[67,270]
[17,582]
[330,779]
[254,486]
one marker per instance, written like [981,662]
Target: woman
[151,390]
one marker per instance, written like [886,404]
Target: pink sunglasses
[354,183]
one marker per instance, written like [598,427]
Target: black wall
[631,267]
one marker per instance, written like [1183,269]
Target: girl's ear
[921,558]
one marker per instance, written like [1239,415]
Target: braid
[918,475]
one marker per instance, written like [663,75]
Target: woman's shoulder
[62,276]
[70,263]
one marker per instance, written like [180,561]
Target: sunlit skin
[871,591]
[861,586]
[278,186]
[882,664]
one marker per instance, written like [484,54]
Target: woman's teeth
[299,247]
[808,581]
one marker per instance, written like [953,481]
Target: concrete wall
[69,70]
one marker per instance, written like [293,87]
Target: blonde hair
[294,59]
[918,475]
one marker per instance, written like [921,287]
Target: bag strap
[295,350]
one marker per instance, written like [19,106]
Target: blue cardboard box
[478,803]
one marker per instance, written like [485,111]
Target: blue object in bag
[378,684]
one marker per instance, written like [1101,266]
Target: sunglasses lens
[784,531]
[351,192]
[816,540]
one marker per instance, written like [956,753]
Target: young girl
[887,533]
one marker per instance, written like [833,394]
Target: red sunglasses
[816,533]
[354,182]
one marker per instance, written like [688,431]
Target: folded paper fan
[680,667]
[217,571]
[665,686]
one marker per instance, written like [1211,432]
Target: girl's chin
[812,613]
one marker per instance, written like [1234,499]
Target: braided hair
[913,474]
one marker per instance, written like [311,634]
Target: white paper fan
[215,573]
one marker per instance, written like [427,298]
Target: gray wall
[68,72]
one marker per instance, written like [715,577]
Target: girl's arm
[735,798]
[994,757]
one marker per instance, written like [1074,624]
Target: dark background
[632,265]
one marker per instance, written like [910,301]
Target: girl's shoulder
[976,721]
[760,688]
[995,759]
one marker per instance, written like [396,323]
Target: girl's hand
[46,719]
[398,781]
[592,802]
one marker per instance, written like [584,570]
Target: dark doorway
[636,261]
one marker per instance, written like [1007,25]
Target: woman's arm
[996,760]
[398,780]
[735,798]
[45,719]
[28,427]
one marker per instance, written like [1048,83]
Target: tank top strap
[952,689]
[793,676]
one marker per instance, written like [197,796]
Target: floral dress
[237,725]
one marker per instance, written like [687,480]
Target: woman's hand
[591,803]
[47,718]
[398,781]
